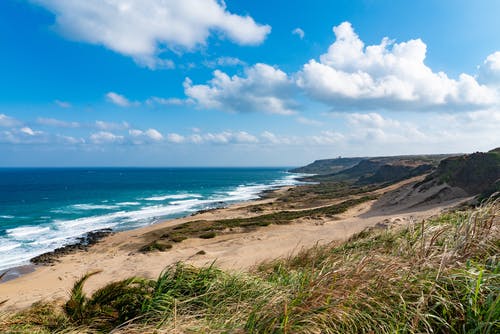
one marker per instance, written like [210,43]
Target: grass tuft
[155,246]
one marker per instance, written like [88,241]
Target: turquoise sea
[43,209]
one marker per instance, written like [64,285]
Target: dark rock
[82,244]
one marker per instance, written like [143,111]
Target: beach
[117,256]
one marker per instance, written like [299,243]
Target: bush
[208,235]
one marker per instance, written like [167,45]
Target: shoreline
[91,238]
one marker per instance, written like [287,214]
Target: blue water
[42,209]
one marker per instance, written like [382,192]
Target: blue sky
[244,83]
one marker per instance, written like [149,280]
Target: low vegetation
[207,229]
[441,275]
[155,245]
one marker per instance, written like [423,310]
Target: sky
[245,83]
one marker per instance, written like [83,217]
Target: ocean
[43,209]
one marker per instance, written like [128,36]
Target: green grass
[155,246]
[437,276]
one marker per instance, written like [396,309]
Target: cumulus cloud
[299,32]
[228,137]
[264,88]
[143,29]
[489,71]
[119,100]
[154,134]
[104,137]
[196,139]
[57,123]
[7,121]
[29,131]
[175,138]
[388,75]
[147,136]
[351,76]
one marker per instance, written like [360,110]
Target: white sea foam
[128,203]
[5,247]
[26,232]
[175,196]
[94,207]
[6,217]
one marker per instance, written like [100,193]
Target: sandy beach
[117,256]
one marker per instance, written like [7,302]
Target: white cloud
[154,134]
[119,100]
[135,132]
[263,89]
[299,32]
[175,138]
[63,104]
[386,76]
[147,136]
[351,76]
[245,137]
[144,29]
[29,131]
[6,121]
[104,137]
[224,137]
[57,123]
[109,126]
[27,135]
[489,71]
[196,139]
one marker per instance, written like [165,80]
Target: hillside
[379,169]
[328,166]
[476,174]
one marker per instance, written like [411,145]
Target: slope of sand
[116,257]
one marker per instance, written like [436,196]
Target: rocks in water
[81,244]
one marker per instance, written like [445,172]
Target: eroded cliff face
[475,173]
